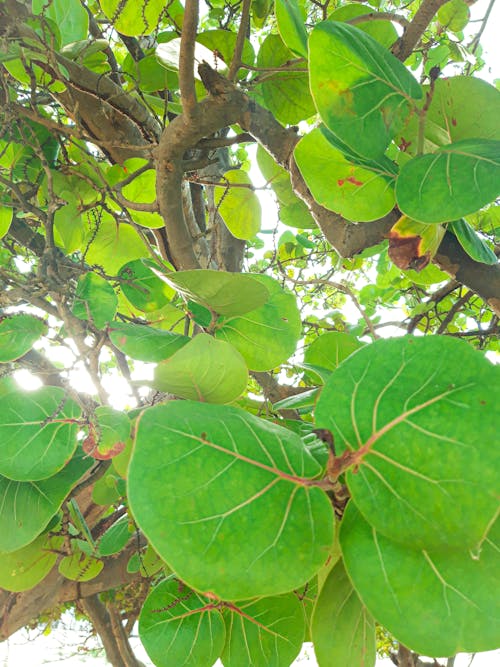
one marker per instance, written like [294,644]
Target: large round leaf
[223,292]
[205,369]
[436,603]
[143,288]
[357,193]
[381,30]
[24,568]
[111,245]
[27,507]
[362,92]
[174,632]
[267,631]
[454,181]
[418,417]
[343,630]
[38,432]
[331,348]
[145,343]
[268,335]
[212,473]
[18,333]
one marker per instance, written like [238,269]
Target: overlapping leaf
[18,333]
[145,343]
[95,299]
[24,568]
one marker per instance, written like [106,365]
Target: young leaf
[435,602]
[177,626]
[419,427]
[362,92]
[38,431]
[212,473]
[343,630]
[145,343]
[473,244]
[18,332]
[455,180]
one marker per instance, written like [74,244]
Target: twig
[411,36]
[475,42]
[186,57]
[240,40]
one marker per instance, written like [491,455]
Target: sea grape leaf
[18,332]
[80,567]
[331,348]
[133,18]
[115,538]
[454,15]
[220,291]
[239,205]
[145,343]
[456,180]
[418,417]
[383,31]
[108,433]
[111,245]
[473,244]
[95,300]
[266,631]
[343,630]
[291,26]
[142,287]
[38,432]
[27,507]
[305,399]
[173,633]
[362,92]
[268,335]
[356,192]
[224,42]
[24,568]
[212,473]
[413,244]
[205,369]
[6,216]
[70,17]
[436,603]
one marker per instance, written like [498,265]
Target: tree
[290,472]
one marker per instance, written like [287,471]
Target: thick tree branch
[412,34]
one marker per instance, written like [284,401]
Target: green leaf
[133,18]
[27,507]
[285,94]
[343,631]
[239,206]
[177,626]
[417,416]
[142,287]
[6,215]
[213,473]
[38,431]
[362,92]
[383,31]
[111,245]
[267,631]
[291,26]
[108,434]
[145,343]
[224,42]
[305,399]
[115,538]
[142,189]
[95,300]
[436,603]
[70,17]
[413,244]
[24,568]
[454,15]
[355,192]
[455,180]
[220,291]
[266,336]
[80,567]
[473,244]
[18,333]
[205,369]
[69,228]
[331,348]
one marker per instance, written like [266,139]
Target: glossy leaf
[142,287]
[133,18]
[419,427]
[383,31]
[174,632]
[27,507]
[23,569]
[212,473]
[362,92]
[435,602]
[38,432]
[18,332]
[473,244]
[220,291]
[450,183]
[343,630]
[145,343]
[205,369]
[331,348]
[266,336]
[291,26]
[95,300]
[239,205]
[266,631]
[80,567]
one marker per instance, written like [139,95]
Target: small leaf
[80,567]
[142,342]
[142,287]
[291,26]
[473,244]
[108,434]
[17,334]
[305,399]
[6,215]
[343,631]
[95,300]
[435,602]
[454,15]
[70,17]
[115,538]
[205,369]
[177,626]
[331,348]
[238,205]
[455,180]
[412,245]
[38,431]
[212,473]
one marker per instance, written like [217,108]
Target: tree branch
[186,57]
[240,40]
[412,34]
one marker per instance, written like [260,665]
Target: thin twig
[240,40]
[412,34]
[186,57]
